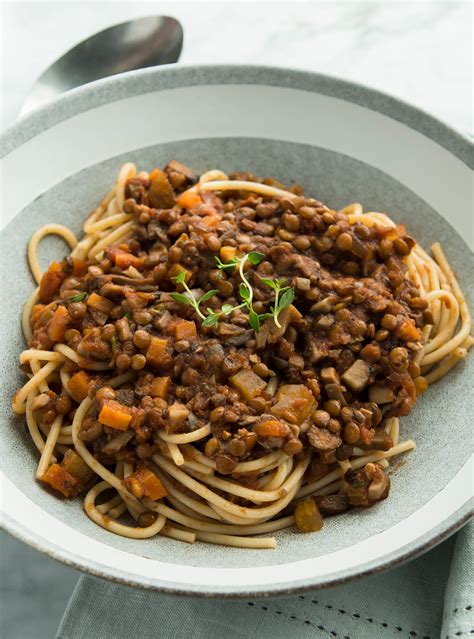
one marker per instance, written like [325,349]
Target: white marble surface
[419,51]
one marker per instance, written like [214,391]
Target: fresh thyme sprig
[284,295]
[245,289]
[190,299]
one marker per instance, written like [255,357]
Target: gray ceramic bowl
[344,143]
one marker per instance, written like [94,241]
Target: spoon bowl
[144,42]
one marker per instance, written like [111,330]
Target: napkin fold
[428,598]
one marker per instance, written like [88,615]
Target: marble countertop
[418,51]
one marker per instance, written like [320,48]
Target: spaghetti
[151,389]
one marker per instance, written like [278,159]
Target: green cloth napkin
[429,597]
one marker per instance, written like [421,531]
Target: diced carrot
[176,269]
[211,221]
[115,415]
[154,173]
[154,489]
[272,428]
[100,303]
[189,200]
[160,387]
[50,283]
[123,260]
[79,267]
[248,384]
[151,485]
[228,253]
[78,385]
[58,324]
[59,479]
[185,330]
[408,332]
[295,402]
[36,313]
[157,354]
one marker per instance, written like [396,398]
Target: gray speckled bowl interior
[439,423]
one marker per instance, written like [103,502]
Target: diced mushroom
[240,340]
[307,265]
[278,363]
[302,283]
[357,376]
[379,486]
[271,332]
[177,414]
[329,375]
[325,321]
[226,329]
[117,443]
[176,166]
[40,401]
[332,504]
[315,351]
[334,391]
[77,467]
[163,320]
[380,394]
[367,485]
[139,284]
[324,306]
[380,441]
[323,439]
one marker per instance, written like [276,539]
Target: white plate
[344,143]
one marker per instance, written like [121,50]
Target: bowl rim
[130,84]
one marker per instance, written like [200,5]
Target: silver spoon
[139,43]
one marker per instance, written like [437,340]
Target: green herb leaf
[182,299]
[227,309]
[286,299]
[211,320]
[230,264]
[78,298]
[274,284]
[244,292]
[254,257]
[207,296]
[180,278]
[268,282]
[254,320]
